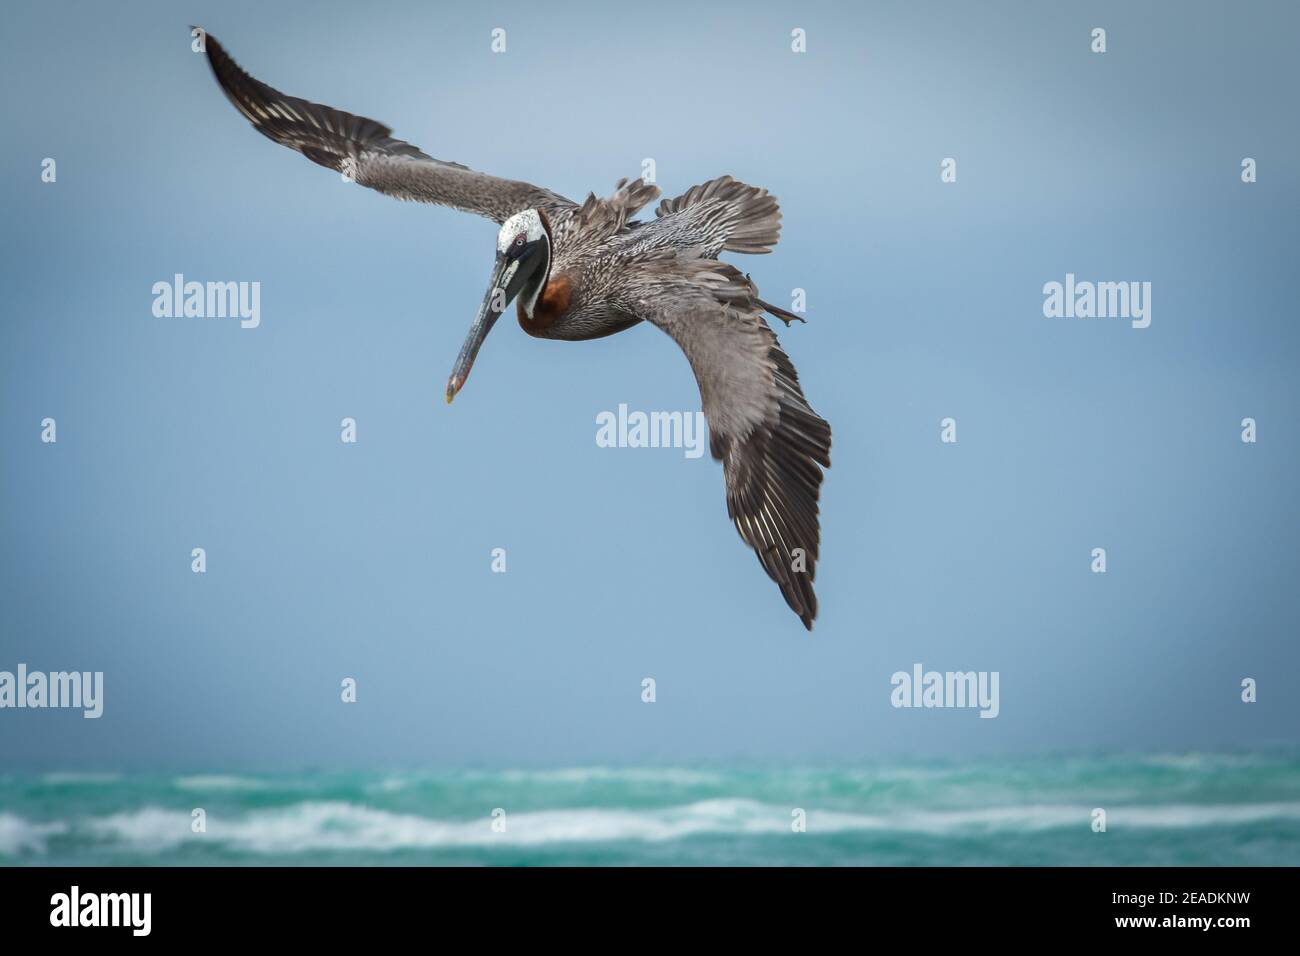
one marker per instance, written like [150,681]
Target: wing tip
[806,608]
[209,40]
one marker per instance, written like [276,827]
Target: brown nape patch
[551,305]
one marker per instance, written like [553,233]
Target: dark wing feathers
[771,443]
[728,216]
[366,150]
[774,479]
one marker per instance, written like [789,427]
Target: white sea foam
[19,836]
[389,785]
[211,782]
[1205,761]
[563,776]
[338,826]
[673,776]
[79,777]
[149,829]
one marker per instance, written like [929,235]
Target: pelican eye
[519,240]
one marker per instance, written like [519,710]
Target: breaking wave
[19,836]
[341,827]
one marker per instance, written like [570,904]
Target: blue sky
[924,299]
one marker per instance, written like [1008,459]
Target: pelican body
[584,271]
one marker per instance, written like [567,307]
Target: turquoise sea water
[1196,809]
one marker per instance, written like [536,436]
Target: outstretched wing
[771,443]
[721,215]
[365,150]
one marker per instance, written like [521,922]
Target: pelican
[587,270]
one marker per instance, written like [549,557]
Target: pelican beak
[500,291]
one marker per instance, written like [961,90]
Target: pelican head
[523,262]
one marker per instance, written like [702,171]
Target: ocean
[1178,809]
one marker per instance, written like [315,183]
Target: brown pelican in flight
[586,270]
